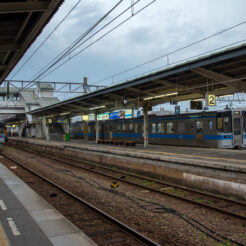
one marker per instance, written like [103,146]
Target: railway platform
[216,170]
[26,219]
[224,158]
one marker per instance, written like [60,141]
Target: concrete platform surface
[229,159]
[26,219]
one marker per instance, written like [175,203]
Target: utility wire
[99,38]
[171,64]
[172,52]
[62,55]
[36,50]
[178,62]
[72,46]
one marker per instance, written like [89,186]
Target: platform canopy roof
[21,21]
[219,73]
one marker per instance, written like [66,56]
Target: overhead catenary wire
[172,52]
[121,23]
[172,64]
[43,42]
[73,45]
[73,49]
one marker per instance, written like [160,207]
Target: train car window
[244,120]
[91,128]
[159,128]
[131,127]
[119,128]
[162,127]
[170,127]
[136,128]
[210,125]
[124,127]
[199,126]
[181,127]
[224,122]
[237,127]
[219,123]
[153,128]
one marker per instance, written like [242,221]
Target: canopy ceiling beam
[20,7]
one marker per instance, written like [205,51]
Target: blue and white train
[217,129]
[2,135]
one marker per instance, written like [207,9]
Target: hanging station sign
[128,113]
[103,116]
[114,115]
[91,117]
[85,117]
[122,114]
[211,100]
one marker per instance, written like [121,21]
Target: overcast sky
[159,29]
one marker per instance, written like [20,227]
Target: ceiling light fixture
[198,99]
[159,96]
[229,95]
[98,107]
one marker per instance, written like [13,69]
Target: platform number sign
[211,100]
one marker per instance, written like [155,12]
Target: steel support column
[45,128]
[97,128]
[86,131]
[146,129]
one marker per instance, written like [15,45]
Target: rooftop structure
[20,24]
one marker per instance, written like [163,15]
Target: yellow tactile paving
[3,237]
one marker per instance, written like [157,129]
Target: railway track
[96,224]
[221,204]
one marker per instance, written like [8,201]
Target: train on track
[2,134]
[216,129]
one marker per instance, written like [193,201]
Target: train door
[85,124]
[110,132]
[237,128]
[199,132]
[105,132]
[101,131]
[244,128]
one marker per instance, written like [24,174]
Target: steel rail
[146,178]
[123,226]
[152,189]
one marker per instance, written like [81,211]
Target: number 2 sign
[211,100]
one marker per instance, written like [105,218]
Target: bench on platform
[100,141]
[130,143]
[118,142]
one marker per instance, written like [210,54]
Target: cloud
[161,28]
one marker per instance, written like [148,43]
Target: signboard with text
[91,117]
[128,113]
[211,100]
[85,117]
[103,116]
